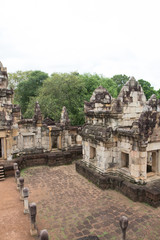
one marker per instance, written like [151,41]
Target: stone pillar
[21,186]
[15,167]
[5,149]
[123,224]
[44,235]
[158,161]
[60,142]
[25,196]
[33,212]
[50,138]
[17,177]
[154,162]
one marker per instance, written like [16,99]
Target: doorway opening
[124,160]
[92,152]
[151,163]
[54,141]
[0,147]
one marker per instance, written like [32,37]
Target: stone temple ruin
[121,143]
[20,136]
[120,140]
[122,136]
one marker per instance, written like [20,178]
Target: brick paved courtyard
[70,207]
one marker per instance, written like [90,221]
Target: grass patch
[24,172]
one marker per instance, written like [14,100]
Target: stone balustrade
[123,224]
[44,235]
[15,167]
[21,186]
[17,178]
[25,197]
[33,213]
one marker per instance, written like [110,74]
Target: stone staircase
[2,173]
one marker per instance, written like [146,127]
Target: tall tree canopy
[147,88]
[120,80]
[70,90]
[60,90]
[15,78]
[94,81]
[29,88]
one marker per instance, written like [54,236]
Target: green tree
[120,80]
[147,88]
[63,89]
[92,81]
[110,85]
[158,93]
[29,88]
[15,78]
[70,90]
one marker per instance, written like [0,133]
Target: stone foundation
[143,193]
[51,159]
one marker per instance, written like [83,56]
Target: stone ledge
[50,159]
[149,193]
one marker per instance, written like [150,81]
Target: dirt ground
[71,207]
[14,225]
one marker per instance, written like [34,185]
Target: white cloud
[103,36]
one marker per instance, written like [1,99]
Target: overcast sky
[98,36]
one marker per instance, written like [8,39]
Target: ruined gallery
[22,137]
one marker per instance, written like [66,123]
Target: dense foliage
[28,88]
[64,89]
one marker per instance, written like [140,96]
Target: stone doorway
[0,148]
[54,141]
[2,153]
[124,160]
[92,152]
[152,163]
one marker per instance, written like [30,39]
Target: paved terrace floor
[70,207]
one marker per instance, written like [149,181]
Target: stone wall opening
[151,163]
[125,160]
[54,141]
[0,147]
[92,152]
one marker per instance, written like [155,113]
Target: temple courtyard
[70,207]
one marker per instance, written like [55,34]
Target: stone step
[2,176]
[2,173]
[2,179]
